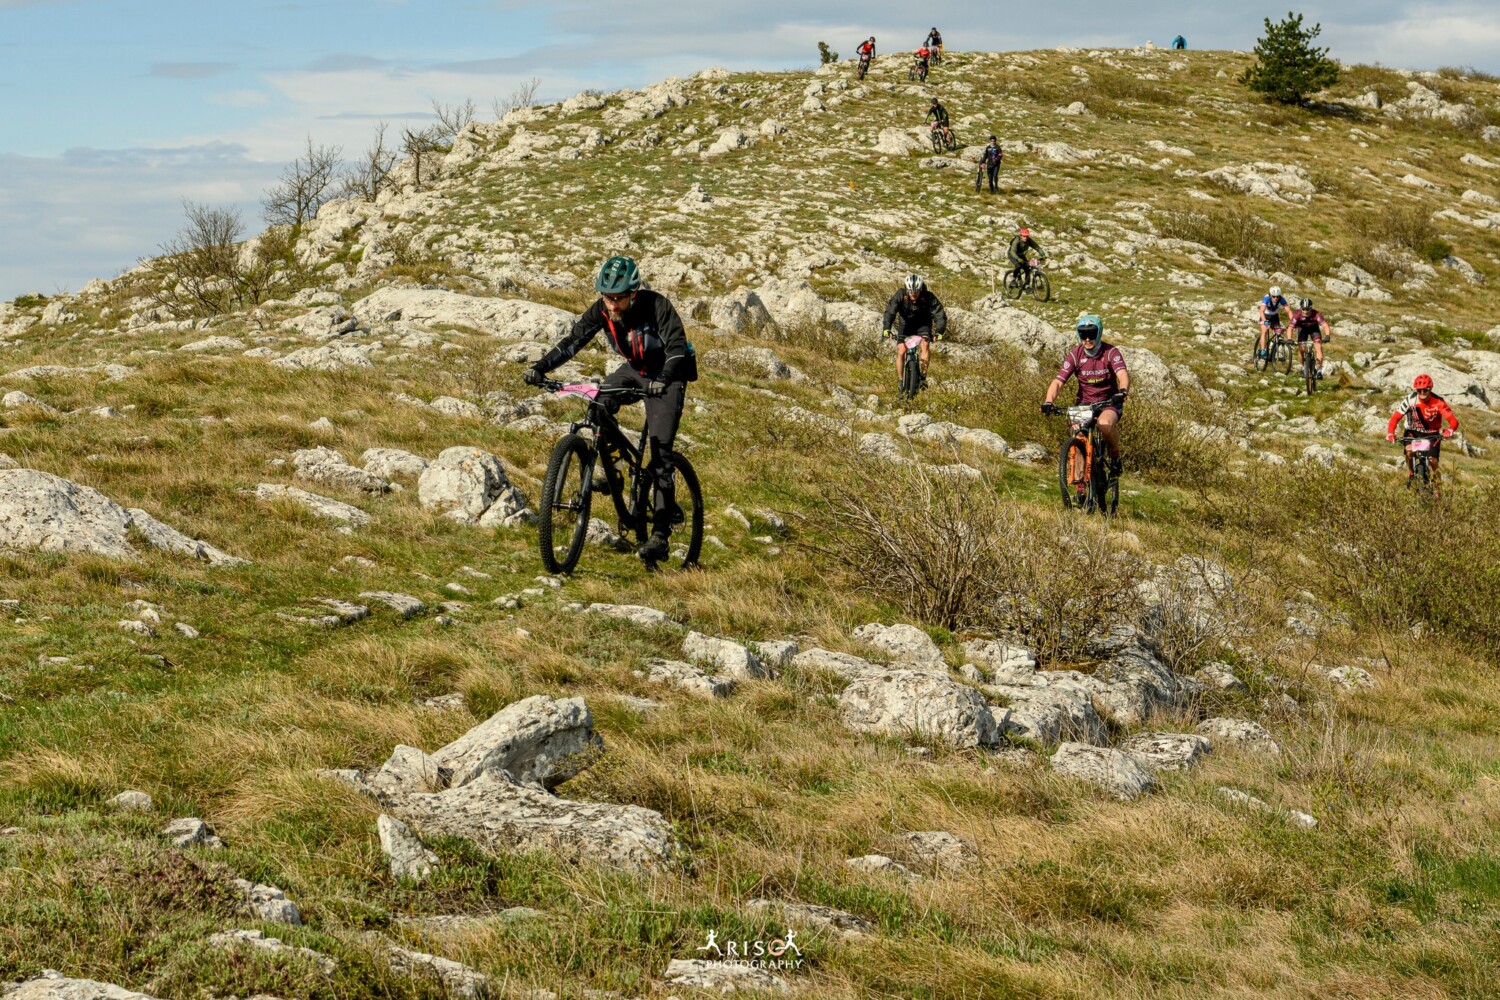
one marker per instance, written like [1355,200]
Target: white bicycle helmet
[1275,291]
[914,283]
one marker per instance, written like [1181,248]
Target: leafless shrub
[196,273]
[419,144]
[1198,605]
[524,96]
[453,119]
[367,177]
[952,553]
[304,186]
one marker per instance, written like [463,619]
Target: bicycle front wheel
[1310,371]
[1011,282]
[1041,288]
[563,517]
[1284,356]
[1073,474]
[911,376]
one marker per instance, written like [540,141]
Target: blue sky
[114,111]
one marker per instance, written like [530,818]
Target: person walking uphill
[643,327]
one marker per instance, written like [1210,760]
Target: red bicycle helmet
[1023,232]
[1422,382]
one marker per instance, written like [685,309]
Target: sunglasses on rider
[617,298]
[1088,333]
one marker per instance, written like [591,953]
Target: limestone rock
[257,940]
[328,468]
[132,801]
[393,463]
[637,614]
[812,915]
[405,605]
[721,977]
[689,678]
[739,312]
[410,770]
[1167,751]
[53,985]
[844,665]
[511,319]
[457,979]
[939,849]
[191,832]
[906,644]
[327,358]
[537,739]
[214,344]
[48,513]
[1004,662]
[268,903]
[1112,770]
[324,507]
[730,658]
[1238,733]
[463,482]
[907,701]
[501,815]
[409,858]
[879,864]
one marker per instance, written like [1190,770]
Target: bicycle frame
[605,430]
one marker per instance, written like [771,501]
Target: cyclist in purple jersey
[1102,377]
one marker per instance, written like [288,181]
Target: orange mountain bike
[1082,474]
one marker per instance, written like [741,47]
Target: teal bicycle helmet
[618,276]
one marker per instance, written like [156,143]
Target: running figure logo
[714,944]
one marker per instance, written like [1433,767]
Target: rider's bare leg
[1265,333]
[1109,429]
[925,356]
[1318,346]
[1408,461]
[900,361]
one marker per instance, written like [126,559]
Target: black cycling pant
[663,413]
[992,171]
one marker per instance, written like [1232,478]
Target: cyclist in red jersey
[1100,370]
[1424,410]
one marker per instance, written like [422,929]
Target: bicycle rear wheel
[686,513]
[1310,370]
[1073,474]
[563,517]
[1041,288]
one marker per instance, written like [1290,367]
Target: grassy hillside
[1065,891]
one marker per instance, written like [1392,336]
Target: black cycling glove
[535,375]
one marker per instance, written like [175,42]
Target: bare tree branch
[303,187]
[367,177]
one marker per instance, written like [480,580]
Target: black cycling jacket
[1018,248]
[649,337]
[938,113]
[923,314]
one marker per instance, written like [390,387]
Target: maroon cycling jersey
[1098,377]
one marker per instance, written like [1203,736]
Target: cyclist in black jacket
[644,328]
[914,311]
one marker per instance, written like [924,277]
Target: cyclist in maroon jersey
[1100,370]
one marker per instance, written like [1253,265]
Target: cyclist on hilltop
[990,158]
[1310,325]
[922,55]
[1179,43]
[939,116]
[935,43]
[1425,412]
[1100,370]
[1016,252]
[914,311]
[1270,315]
[866,51]
[644,328]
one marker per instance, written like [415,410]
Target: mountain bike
[1278,351]
[1032,279]
[864,66]
[937,56]
[1309,367]
[918,71]
[1421,461]
[575,468]
[1082,474]
[942,138]
[912,379]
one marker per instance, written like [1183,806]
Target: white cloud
[240,98]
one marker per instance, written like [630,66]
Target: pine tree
[1288,66]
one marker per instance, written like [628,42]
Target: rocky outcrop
[324,507]
[538,739]
[47,513]
[501,815]
[908,702]
[906,644]
[470,486]
[1115,771]
[328,468]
